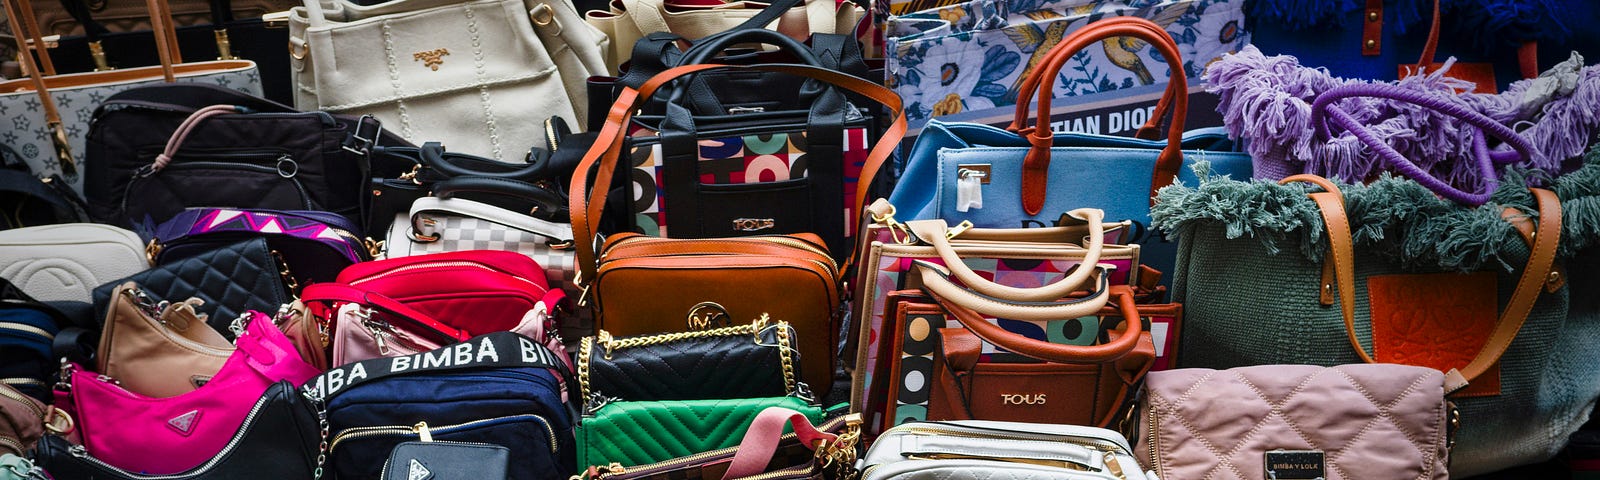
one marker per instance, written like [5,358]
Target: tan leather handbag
[158,350]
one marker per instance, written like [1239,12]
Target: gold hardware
[753,224]
[431,58]
[283,272]
[375,248]
[1022,399]
[299,51]
[542,15]
[1067,464]
[224,46]
[979,170]
[58,422]
[151,250]
[957,230]
[561,246]
[69,167]
[1372,44]
[1114,466]
[1553,278]
[1372,15]
[421,428]
[98,53]
[412,175]
[705,314]
[754,329]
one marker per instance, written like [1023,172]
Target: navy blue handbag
[27,330]
[501,389]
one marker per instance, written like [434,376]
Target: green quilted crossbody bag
[628,434]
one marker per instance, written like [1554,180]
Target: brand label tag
[1294,465]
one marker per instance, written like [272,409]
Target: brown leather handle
[1127,338]
[1541,261]
[587,206]
[1037,163]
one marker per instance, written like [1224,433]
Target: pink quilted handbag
[1297,422]
[159,436]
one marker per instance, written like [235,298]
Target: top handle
[1323,112]
[1037,163]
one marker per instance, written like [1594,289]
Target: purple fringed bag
[1268,101]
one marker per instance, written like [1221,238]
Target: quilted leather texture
[639,433]
[727,366]
[1370,421]
[231,280]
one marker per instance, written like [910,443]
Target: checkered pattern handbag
[454,224]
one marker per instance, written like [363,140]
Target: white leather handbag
[481,76]
[455,224]
[979,450]
[67,261]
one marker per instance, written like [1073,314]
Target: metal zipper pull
[421,429]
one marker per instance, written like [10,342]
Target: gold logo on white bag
[431,58]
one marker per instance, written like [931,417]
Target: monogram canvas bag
[480,76]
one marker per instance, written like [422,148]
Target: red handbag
[414,304]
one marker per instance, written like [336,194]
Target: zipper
[24,382]
[679,263]
[23,327]
[411,430]
[144,173]
[14,444]
[227,450]
[1066,464]
[828,265]
[1154,444]
[13,395]
[419,266]
[180,339]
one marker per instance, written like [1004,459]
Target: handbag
[1510,262]
[663,430]
[65,262]
[825,451]
[446,460]
[227,30]
[1304,422]
[1046,263]
[158,350]
[314,246]
[626,22]
[24,420]
[13,467]
[973,58]
[228,281]
[501,389]
[975,449]
[160,436]
[277,439]
[455,67]
[28,329]
[1356,130]
[170,153]
[59,147]
[744,361]
[401,175]
[968,380]
[445,223]
[970,172]
[28,200]
[779,264]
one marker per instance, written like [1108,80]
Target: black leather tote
[757,360]
[231,280]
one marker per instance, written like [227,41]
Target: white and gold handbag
[480,76]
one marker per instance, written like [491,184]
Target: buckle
[362,145]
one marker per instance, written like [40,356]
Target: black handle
[709,47]
[546,205]
[453,165]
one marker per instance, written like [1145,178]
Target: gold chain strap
[783,356]
[754,329]
[585,348]
[612,344]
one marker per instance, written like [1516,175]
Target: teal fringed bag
[1429,277]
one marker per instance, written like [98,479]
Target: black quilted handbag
[746,361]
[231,280]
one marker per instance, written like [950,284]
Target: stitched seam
[394,81]
[1223,460]
[435,91]
[1385,411]
[1276,409]
[481,71]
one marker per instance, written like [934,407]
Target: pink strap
[761,441]
[185,128]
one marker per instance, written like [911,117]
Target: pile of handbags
[731,260]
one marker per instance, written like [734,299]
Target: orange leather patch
[1481,74]
[1438,320]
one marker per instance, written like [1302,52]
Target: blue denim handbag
[1011,178]
[500,388]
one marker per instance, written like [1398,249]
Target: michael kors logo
[753,224]
[708,315]
[1022,399]
[431,58]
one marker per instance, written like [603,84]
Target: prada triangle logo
[418,472]
[184,424]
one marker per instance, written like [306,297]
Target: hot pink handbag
[159,436]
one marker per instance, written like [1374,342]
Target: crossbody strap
[1535,273]
[493,350]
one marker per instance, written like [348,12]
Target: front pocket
[734,210]
[361,452]
[265,181]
